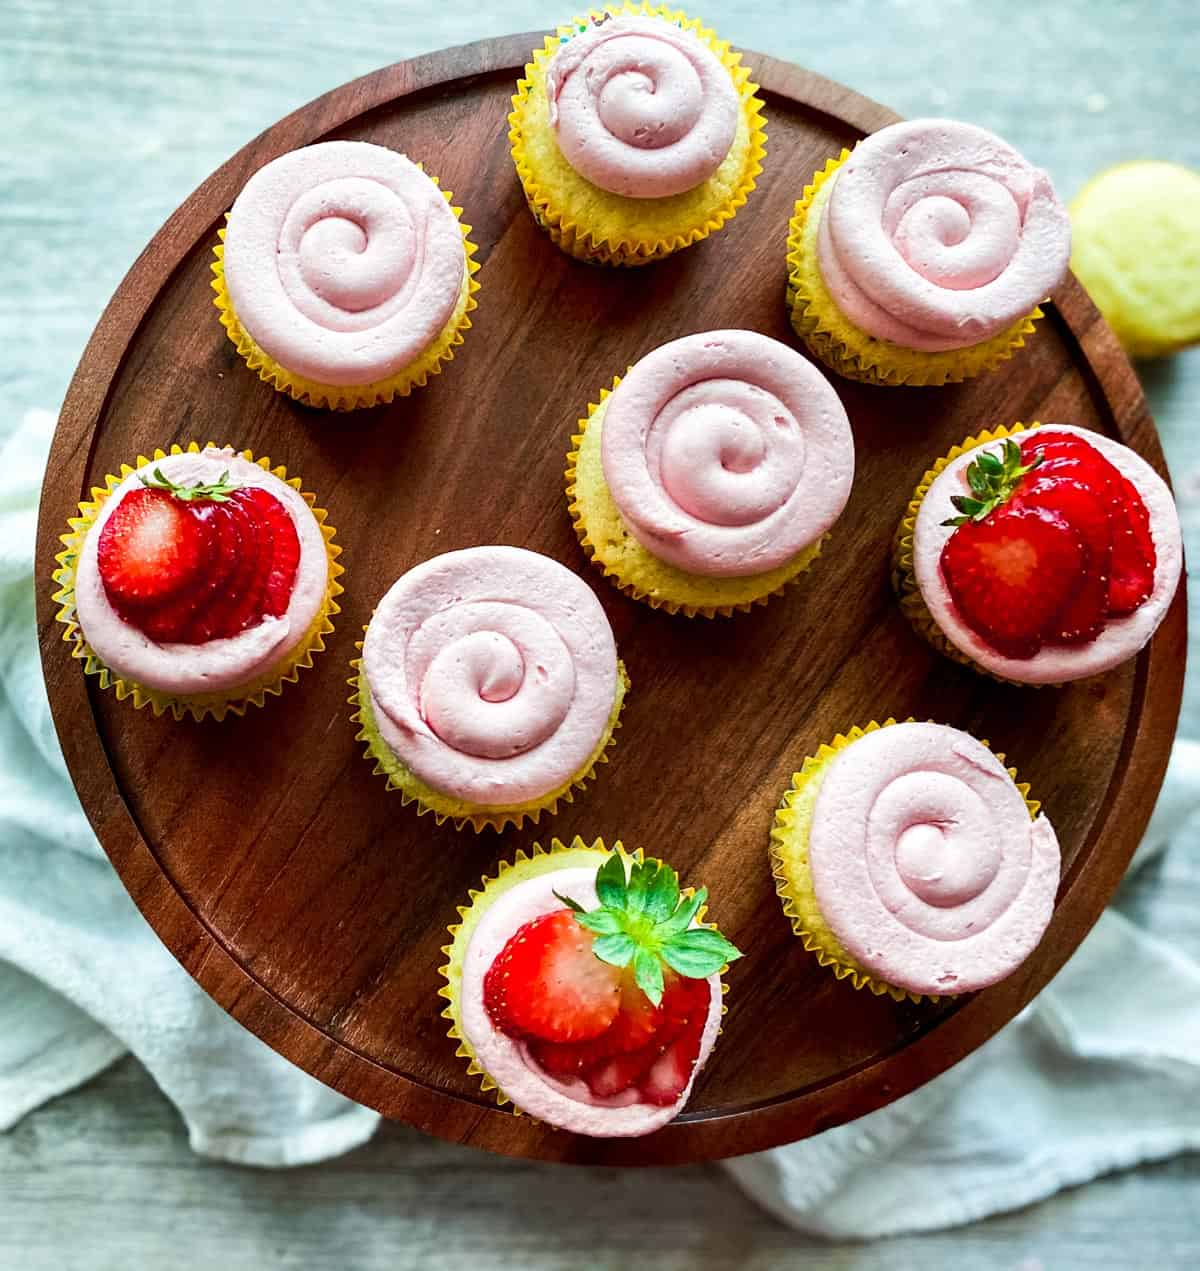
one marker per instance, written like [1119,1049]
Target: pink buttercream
[492,673]
[938,235]
[218,664]
[343,261]
[726,453]
[566,1104]
[641,107]
[925,863]
[1053,664]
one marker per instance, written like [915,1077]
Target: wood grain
[315,914]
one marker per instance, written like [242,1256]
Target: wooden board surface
[311,905]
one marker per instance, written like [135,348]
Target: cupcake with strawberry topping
[1039,554]
[585,988]
[198,581]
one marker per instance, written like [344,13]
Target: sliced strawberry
[1083,617]
[613,1062]
[636,1022]
[1133,555]
[239,603]
[150,548]
[667,1079]
[1011,576]
[285,553]
[227,558]
[547,983]
[611,1076]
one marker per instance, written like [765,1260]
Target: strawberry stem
[214,491]
[643,920]
[993,480]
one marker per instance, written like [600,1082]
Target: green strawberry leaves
[214,492]
[643,921]
[992,478]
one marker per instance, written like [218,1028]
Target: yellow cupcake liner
[230,701]
[849,350]
[636,570]
[508,875]
[793,878]
[344,397]
[596,226]
[446,808]
[904,578]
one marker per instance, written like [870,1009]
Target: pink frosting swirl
[641,107]
[938,235]
[726,453]
[925,862]
[343,261]
[492,673]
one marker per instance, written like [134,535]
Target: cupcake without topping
[1039,554]
[489,686]
[635,132]
[345,277]
[707,479]
[921,256]
[198,581]
[585,988]
[911,863]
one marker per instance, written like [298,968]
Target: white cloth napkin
[1101,1072]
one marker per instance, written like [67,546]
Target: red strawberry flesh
[547,983]
[1133,555]
[1012,574]
[189,570]
[149,549]
[1082,618]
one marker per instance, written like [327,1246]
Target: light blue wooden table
[112,112]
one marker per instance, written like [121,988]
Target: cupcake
[911,863]
[1038,554]
[921,256]
[706,479]
[489,686]
[635,132]
[585,989]
[345,279]
[198,581]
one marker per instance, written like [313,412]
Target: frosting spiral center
[726,453]
[492,673]
[641,107]
[496,679]
[943,851]
[937,235]
[346,247]
[343,261]
[650,96]
[925,863]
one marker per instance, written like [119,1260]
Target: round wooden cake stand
[301,894]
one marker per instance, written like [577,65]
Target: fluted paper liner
[793,878]
[849,350]
[226,701]
[447,808]
[342,397]
[523,867]
[904,578]
[635,569]
[599,227]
